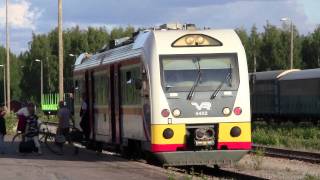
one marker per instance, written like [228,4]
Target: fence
[50,102]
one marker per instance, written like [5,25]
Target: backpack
[32,126]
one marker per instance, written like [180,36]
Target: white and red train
[182,95]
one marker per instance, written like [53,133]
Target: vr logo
[203,105]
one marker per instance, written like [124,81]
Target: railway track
[289,154]
[203,171]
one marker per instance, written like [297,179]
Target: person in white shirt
[22,114]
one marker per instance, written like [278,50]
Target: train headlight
[176,112]
[196,40]
[189,40]
[226,111]
[165,113]
[237,111]
[235,131]
[168,133]
[200,40]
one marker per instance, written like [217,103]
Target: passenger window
[128,77]
[76,85]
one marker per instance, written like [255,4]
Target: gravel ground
[277,168]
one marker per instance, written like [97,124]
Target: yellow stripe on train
[179,132]
[225,132]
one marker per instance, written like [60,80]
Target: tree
[45,48]
[254,49]
[15,75]
[272,50]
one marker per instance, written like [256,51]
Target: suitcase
[27,147]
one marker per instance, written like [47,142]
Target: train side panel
[265,100]
[300,98]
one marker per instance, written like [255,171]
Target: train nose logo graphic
[203,105]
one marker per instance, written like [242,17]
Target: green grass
[311,177]
[289,135]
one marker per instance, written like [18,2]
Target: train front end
[200,97]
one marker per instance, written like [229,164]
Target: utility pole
[61,83]
[291,46]
[254,55]
[8,58]
[286,19]
[4,84]
[41,78]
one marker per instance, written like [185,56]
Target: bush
[11,123]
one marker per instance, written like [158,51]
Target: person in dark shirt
[32,128]
[3,130]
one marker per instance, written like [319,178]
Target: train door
[101,115]
[115,101]
[131,102]
[145,90]
[90,95]
[80,85]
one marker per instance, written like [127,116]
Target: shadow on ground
[11,151]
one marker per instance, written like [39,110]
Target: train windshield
[208,72]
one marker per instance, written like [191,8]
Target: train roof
[272,75]
[164,40]
[303,74]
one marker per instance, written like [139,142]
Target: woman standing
[3,130]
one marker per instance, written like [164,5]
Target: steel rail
[311,157]
[203,170]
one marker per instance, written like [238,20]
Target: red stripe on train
[234,145]
[166,147]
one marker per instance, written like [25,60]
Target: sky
[40,16]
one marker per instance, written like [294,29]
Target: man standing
[63,130]
[64,116]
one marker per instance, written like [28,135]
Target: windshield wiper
[195,84]
[227,78]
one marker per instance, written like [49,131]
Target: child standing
[3,130]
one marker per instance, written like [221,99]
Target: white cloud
[21,15]
[245,14]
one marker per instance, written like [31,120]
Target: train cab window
[181,73]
